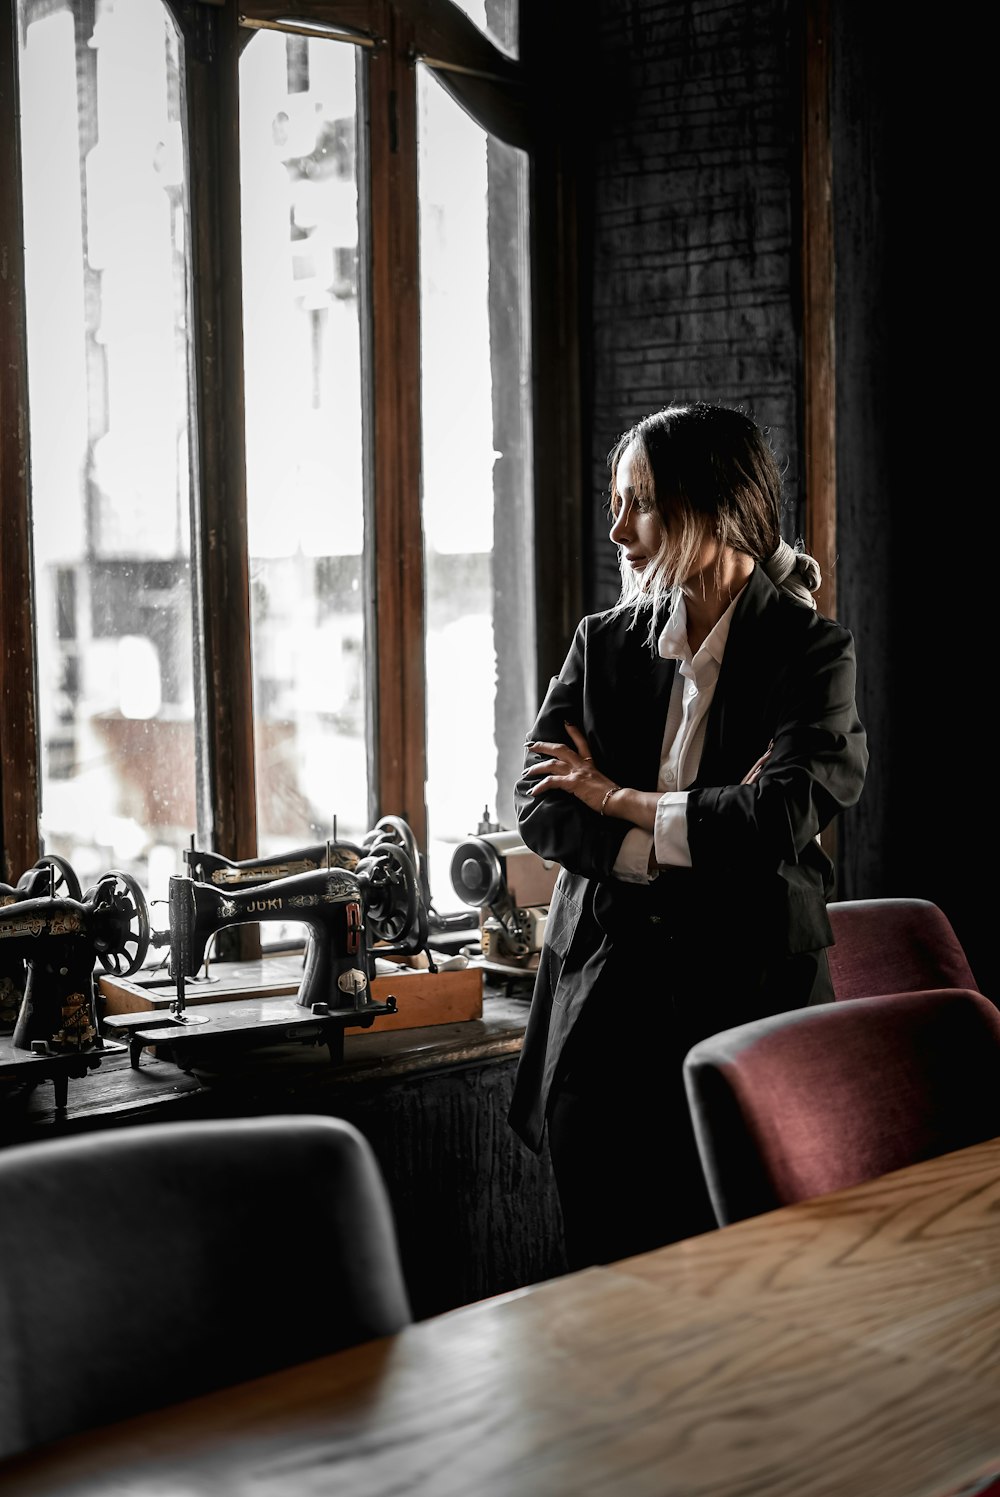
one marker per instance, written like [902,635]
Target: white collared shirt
[683,738]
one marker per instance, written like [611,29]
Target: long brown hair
[707,470]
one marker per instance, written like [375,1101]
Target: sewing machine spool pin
[65,883]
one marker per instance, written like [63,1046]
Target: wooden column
[819,368]
[19,791]
[400,756]
[212,50]
[819,305]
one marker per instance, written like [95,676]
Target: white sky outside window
[109,399]
[458,366]
[108,350]
[305,495]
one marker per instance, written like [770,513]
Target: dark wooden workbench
[476,1212]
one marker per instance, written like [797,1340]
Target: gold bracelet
[607,796]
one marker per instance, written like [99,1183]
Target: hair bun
[795,572]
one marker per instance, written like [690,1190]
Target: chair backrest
[148,1264]
[810,1101]
[894,946]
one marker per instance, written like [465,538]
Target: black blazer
[753,904]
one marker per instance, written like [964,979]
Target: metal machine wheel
[129,929]
[65,884]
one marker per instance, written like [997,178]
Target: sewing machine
[59,941]
[228,873]
[348,914]
[33,884]
[495,872]
[51,877]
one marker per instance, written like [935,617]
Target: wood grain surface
[909,1263]
[846,1347]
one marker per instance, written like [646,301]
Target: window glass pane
[305,498]
[498,18]
[477,496]
[103,159]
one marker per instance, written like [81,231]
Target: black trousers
[622,1146]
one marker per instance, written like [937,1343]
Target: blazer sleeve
[816,768]
[557,825]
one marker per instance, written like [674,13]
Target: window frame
[18,728]
[501,93]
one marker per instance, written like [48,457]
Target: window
[305,435]
[278,336]
[476,473]
[106,272]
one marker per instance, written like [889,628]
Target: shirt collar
[673,642]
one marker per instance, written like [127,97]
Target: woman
[699,737]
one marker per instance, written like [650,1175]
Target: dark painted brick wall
[694,223]
[690,255]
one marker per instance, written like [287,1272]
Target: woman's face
[637,527]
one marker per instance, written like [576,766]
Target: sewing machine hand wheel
[393,907]
[398,833]
[65,884]
[127,952]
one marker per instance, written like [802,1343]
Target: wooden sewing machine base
[245,1004]
[59,1067]
[202,1031]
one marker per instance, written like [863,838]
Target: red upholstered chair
[807,1102]
[148,1264]
[894,946]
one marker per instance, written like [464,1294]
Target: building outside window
[382,357]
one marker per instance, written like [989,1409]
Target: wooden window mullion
[221,520]
[400,746]
[19,793]
[819,305]
[819,389]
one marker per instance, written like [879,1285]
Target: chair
[806,1102]
[894,946]
[149,1264]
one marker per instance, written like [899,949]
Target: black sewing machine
[35,883]
[228,873]
[59,941]
[347,914]
[49,876]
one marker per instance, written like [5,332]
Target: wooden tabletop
[846,1347]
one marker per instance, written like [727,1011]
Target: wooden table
[846,1347]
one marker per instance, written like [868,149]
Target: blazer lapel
[739,686]
[647,680]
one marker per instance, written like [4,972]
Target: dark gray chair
[152,1263]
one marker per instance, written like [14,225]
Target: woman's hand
[753,774]
[570,768]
